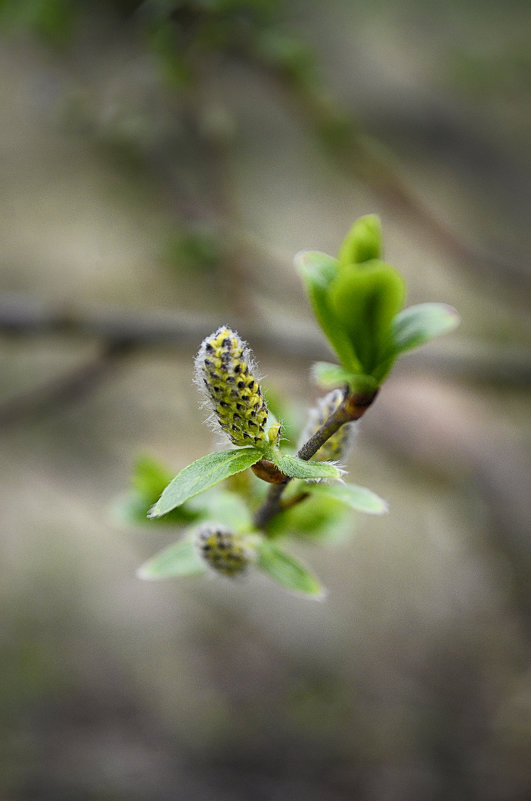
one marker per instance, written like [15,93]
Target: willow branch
[351,409]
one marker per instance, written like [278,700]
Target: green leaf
[318,271]
[228,508]
[203,474]
[418,324]
[363,242]
[299,468]
[179,559]
[150,477]
[132,510]
[364,299]
[329,375]
[318,518]
[288,571]
[359,498]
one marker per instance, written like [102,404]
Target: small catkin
[224,370]
[337,447]
[222,550]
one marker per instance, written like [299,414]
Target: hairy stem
[351,408]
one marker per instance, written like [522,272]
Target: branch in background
[23,315]
[76,384]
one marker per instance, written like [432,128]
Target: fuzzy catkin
[336,448]
[222,550]
[224,371]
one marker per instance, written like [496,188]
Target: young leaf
[365,298]
[318,271]
[329,375]
[299,468]
[132,510]
[203,474]
[363,242]
[150,477]
[418,324]
[318,518]
[179,559]
[359,498]
[288,571]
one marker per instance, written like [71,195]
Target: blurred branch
[72,386]
[23,315]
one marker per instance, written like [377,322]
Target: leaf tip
[383,508]
[144,574]
[320,595]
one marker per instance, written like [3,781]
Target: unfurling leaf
[318,272]
[363,242]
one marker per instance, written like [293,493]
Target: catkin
[224,371]
[336,448]
[222,550]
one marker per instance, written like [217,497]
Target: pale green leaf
[150,477]
[179,559]
[419,324]
[288,571]
[299,468]
[359,498]
[329,375]
[318,271]
[363,242]
[364,299]
[203,474]
[228,508]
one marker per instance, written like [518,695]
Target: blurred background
[161,162]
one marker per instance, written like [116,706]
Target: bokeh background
[160,164]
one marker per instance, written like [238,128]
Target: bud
[224,369]
[337,447]
[222,550]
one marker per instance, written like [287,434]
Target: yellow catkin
[336,448]
[224,371]
[222,550]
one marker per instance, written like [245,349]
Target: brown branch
[352,408]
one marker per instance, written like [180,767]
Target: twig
[352,408]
